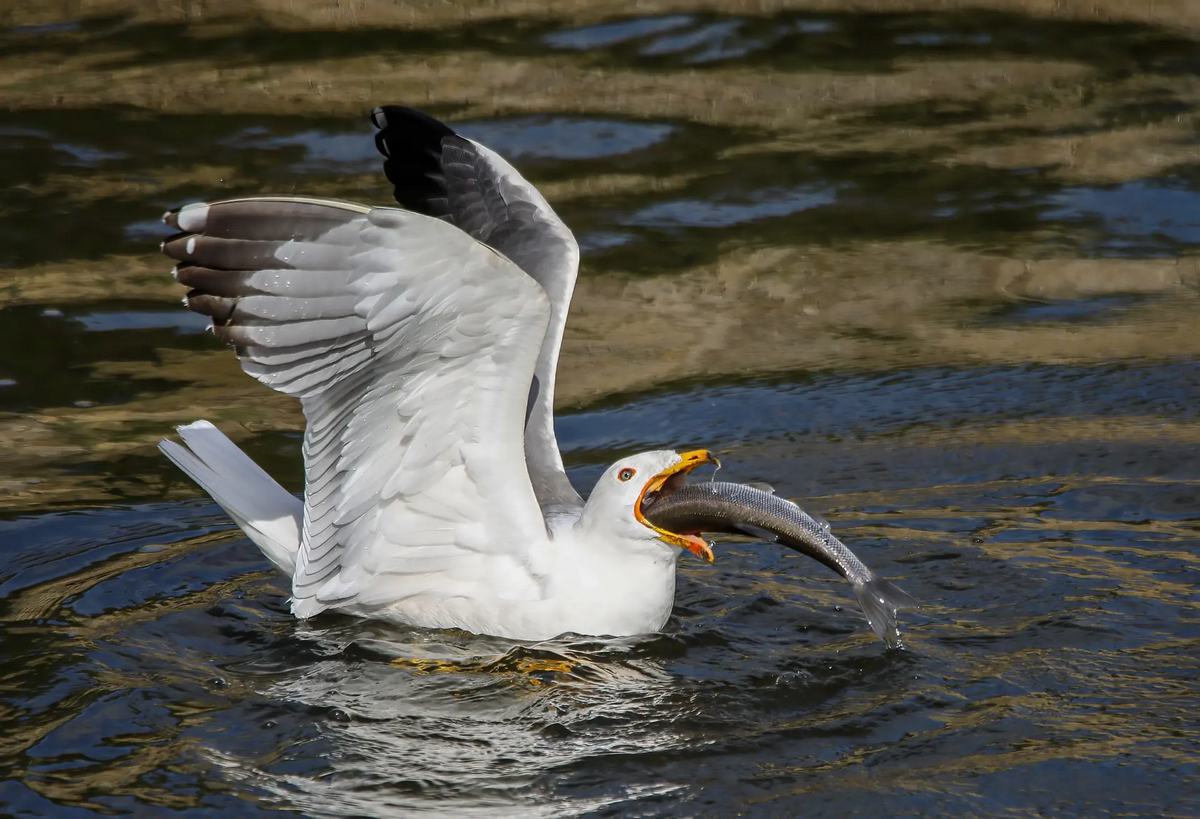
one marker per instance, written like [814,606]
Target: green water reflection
[931,270]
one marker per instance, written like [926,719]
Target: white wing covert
[411,347]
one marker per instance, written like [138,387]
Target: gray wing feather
[438,172]
[409,345]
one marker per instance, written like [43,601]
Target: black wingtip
[411,143]
[410,120]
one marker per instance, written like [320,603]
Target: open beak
[688,461]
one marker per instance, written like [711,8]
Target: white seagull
[422,343]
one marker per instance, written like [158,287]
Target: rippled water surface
[930,272]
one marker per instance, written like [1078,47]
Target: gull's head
[616,501]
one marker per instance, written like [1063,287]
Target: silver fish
[734,508]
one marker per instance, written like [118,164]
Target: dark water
[1021,452]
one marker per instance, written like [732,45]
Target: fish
[734,508]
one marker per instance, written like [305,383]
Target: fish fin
[880,600]
[757,532]
[820,520]
[761,487]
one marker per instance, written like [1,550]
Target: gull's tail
[267,513]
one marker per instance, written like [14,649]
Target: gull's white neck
[602,585]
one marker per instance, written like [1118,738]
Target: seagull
[422,343]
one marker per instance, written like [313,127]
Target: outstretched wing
[411,347]
[439,173]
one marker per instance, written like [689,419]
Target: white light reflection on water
[424,721]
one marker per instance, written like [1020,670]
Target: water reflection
[453,719]
[764,204]
[929,270]
[562,138]
[1141,218]
[321,152]
[109,321]
[608,34]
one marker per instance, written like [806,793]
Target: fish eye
[625,474]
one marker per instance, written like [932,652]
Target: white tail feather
[265,511]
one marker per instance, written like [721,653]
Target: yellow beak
[688,461]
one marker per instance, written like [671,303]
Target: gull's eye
[625,474]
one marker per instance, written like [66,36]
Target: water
[931,273]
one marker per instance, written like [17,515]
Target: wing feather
[411,347]
[439,173]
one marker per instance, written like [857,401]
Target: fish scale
[735,508]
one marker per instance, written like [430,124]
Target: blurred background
[929,267]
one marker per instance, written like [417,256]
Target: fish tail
[880,600]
